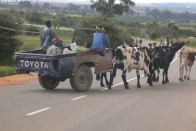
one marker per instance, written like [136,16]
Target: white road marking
[127,80]
[121,83]
[80,97]
[104,89]
[38,111]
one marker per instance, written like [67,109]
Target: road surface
[169,107]
[61,28]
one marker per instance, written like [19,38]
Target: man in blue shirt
[99,41]
[47,36]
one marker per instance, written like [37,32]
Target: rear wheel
[48,82]
[82,80]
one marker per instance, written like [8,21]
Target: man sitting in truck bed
[100,41]
[56,48]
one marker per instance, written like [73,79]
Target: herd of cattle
[151,59]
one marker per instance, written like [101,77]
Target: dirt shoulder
[16,79]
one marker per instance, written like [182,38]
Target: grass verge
[7,67]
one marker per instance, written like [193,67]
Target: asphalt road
[169,107]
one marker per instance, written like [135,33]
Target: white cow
[129,58]
[186,60]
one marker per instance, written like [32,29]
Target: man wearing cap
[99,41]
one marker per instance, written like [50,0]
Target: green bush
[8,40]
[154,35]
[10,62]
[187,33]
[7,70]
[191,43]
[34,17]
[7,67]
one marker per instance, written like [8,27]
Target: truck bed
[61,66]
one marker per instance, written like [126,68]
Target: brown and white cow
[129,58]
[186,61]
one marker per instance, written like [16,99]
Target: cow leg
[112,75]
[153,76]
[163,80]
[150,80]
[106,79]
[98,76]
[158,72]
[102,76]
[138,79]
[186,70]
[188,76]
[126,84]
[152,73]
[181,73]
[166,77]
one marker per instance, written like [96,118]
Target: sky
[161,1]
[142,1]
[136,1]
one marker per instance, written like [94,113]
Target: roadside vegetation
[122,25]
[7,67]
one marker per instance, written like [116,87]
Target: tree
[131,12]
[116,33]
[87,9]
[73,7]
[154,13]
[34,17]
[8,40]
[173,29]
[147,10]
[110,7]
[46,5]
[153,30]
[25,4]
[36,6]
[186,15]
[166,14]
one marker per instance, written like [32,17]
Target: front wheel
[48,82]
[82,80]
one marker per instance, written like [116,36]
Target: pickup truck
[77,67]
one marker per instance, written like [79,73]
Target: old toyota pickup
[77,67]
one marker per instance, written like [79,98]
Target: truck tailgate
[27,62]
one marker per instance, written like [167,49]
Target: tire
[82,80]
[48,83]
